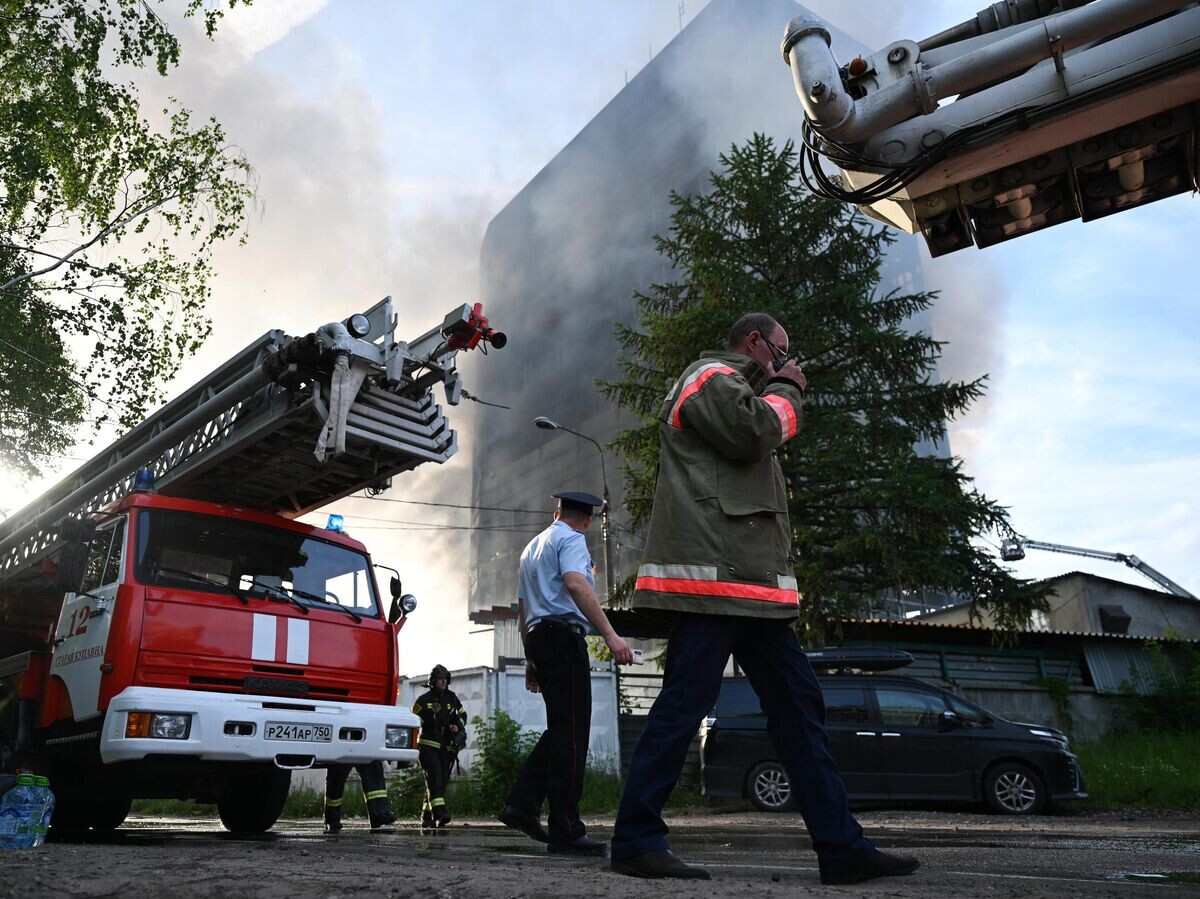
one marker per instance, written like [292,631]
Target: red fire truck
[168,630]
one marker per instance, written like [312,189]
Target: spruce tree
[870,516]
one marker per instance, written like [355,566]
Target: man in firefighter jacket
[443,734]
[718,565]
[373,786]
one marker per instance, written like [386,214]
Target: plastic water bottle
[20,814]
[47,798]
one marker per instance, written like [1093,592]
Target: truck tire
[77,815]
[109,814]
[70,816]
[768,788]
[252,802]
[1011,788]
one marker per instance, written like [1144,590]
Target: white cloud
[254,28]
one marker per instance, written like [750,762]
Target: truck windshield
[221,555]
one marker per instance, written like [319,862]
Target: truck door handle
[864,733]
[889,735]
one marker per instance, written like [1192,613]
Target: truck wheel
[252,802]
[1014,789]
[70,816]
[109,814]
[768,787]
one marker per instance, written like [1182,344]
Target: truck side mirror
[394,584]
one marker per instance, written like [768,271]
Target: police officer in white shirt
[556,602]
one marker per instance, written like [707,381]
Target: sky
[385,135]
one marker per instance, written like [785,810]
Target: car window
[845,705]
[968,713]
[909,707]
[738,700]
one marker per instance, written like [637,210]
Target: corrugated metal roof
[973,627]
[1156,592]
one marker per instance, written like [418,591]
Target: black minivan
[894,738]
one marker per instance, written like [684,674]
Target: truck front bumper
[234,728]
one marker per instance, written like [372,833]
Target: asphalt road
[768,855]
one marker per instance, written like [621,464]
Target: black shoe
[333,826]
[877,864]
[585,845]
[661,863]
[383,824]
[441,820]
[527,824]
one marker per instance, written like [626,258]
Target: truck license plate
[303,733]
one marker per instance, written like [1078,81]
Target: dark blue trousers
[769,653]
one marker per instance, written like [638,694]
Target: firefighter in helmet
[443,734]
[374,788]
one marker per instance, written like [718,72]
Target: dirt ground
[1100,855]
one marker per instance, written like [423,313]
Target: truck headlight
[158,725]
[398,737]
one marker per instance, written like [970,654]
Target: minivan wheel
[1014,789]
[768,787]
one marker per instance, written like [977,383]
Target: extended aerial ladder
[1032,113]
[287,425]
[1013,550]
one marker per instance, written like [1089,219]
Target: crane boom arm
[1033,113]
[1131,560]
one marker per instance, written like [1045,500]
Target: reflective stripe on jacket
[720,541]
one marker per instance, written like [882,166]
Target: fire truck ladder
[286,425]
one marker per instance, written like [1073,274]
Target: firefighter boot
[333,817]
[441,815]
[378,811]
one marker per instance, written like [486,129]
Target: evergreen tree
[869,514]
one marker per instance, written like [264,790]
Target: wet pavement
[961,855]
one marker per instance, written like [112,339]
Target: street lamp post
[610,583]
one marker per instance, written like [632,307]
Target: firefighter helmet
[438,671]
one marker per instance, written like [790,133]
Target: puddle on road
[1169,877]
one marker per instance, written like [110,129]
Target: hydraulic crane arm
[1013,550]
[1033,113]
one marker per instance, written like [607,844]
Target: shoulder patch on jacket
[693,384]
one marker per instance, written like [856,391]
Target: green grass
[1142,769]
[172,808]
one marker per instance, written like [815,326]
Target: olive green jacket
[720,540]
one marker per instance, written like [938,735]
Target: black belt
[552,621]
